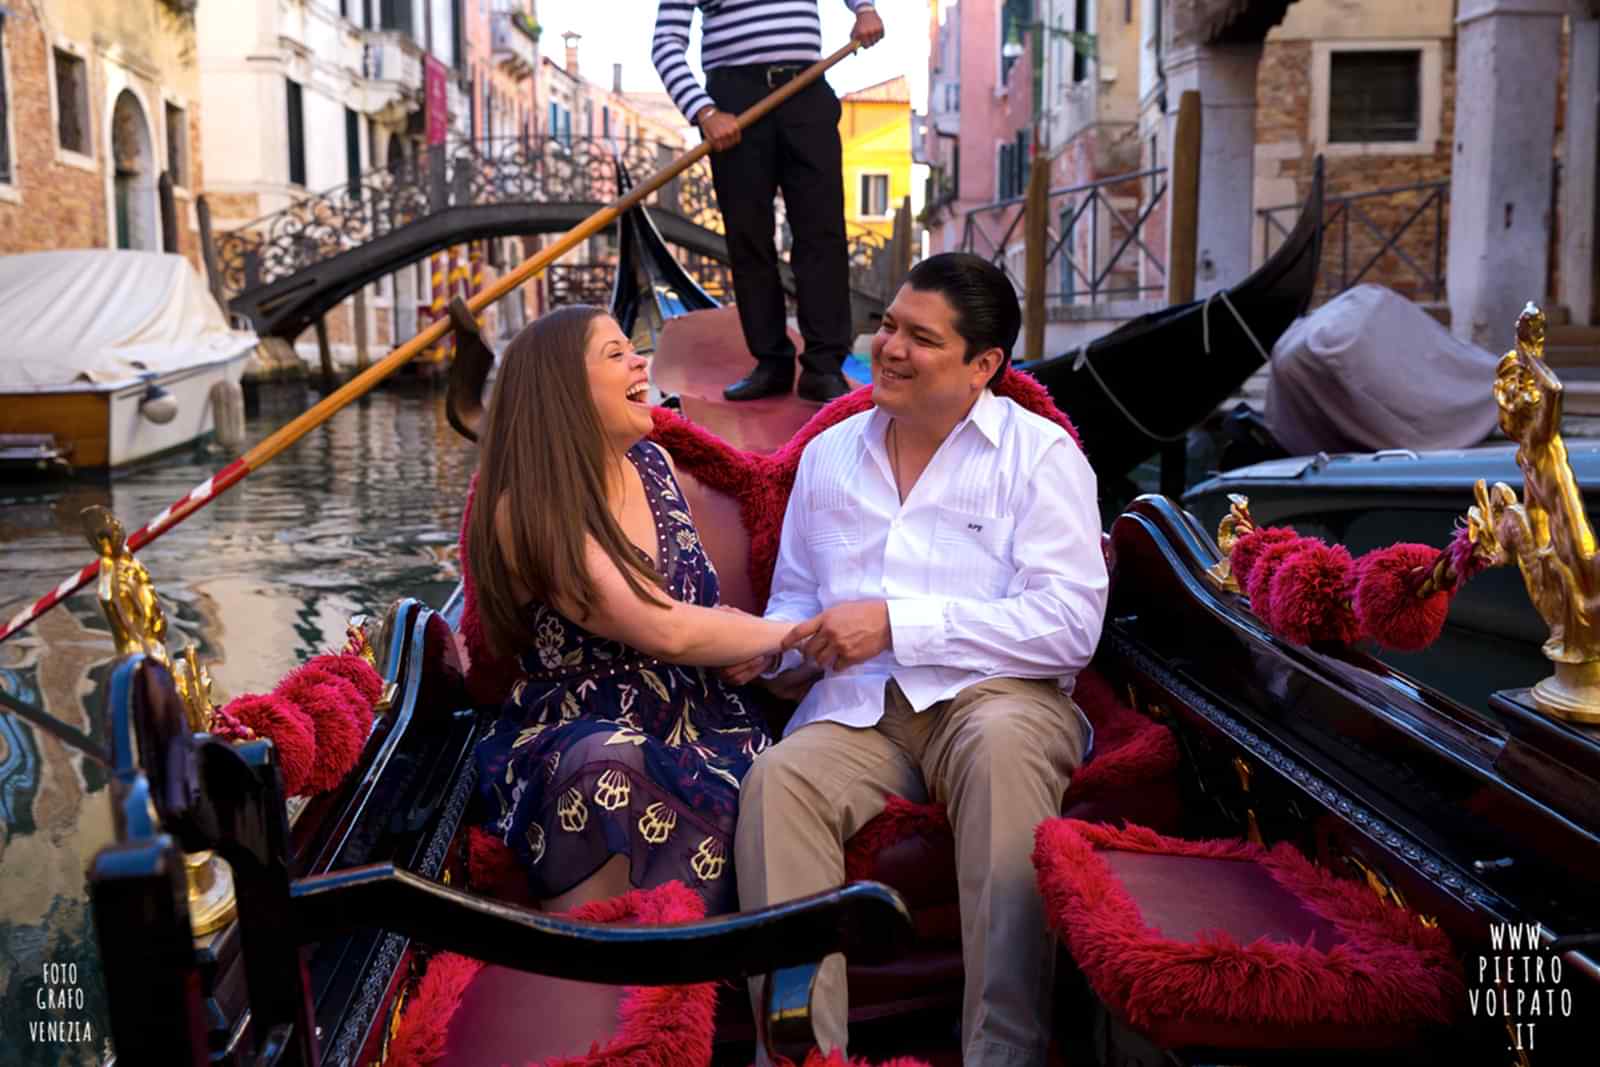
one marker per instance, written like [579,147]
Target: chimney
[616,78]
[571,40]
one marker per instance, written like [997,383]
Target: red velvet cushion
[1224,944]
[464,1012]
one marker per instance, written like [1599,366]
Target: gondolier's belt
[770,74]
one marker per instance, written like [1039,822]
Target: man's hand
[718,127]
[868,28]
[844,635]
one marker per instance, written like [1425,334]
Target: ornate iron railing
[1398,238]
[580,283]
[1096,248]
[511,170]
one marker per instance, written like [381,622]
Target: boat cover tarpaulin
[99,319]
[1370,370]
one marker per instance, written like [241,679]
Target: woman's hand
[751,669]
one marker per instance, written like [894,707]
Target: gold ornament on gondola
[138,625]
[1546,533]
[1234,525]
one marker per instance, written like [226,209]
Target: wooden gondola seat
[1239,951]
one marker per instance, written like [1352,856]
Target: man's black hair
[988,314]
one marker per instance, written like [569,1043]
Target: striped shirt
[735,33]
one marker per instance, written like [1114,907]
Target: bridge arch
[287,270]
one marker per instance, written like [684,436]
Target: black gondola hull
[1152,379]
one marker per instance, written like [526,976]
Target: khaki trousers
[998,756]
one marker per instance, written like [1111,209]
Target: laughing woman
[618,758]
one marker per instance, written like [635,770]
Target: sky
[619,31]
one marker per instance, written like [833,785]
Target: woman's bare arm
[669,629]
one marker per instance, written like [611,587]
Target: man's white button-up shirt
[991,568]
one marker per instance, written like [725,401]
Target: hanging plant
[527,24]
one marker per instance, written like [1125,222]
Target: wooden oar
[271,446]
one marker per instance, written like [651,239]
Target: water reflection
[363,510]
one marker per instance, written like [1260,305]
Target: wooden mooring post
[325,353]
[1183,220]
[1036,236]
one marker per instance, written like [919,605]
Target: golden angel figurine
[1547,533]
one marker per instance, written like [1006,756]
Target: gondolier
[749,48]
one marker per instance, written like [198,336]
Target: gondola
[1148,382]
[1328,862]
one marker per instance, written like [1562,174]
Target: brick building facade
[1330,77]
[100,99]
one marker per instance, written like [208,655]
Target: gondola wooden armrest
[866,921]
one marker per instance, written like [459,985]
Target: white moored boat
[115,355]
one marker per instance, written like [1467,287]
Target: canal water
[363,510]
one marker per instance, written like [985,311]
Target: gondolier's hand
[718,127]
[869,27]
[844,635]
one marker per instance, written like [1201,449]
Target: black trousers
[796,148]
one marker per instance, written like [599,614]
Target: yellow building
[876,130]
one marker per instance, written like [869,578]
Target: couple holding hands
[939,580]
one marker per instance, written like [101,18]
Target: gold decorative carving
[138,625]
[1242,771]
[1234,525]
[126,595]
[194,686]
[1547,533]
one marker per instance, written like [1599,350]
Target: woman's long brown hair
[543,457]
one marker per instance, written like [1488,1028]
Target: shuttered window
[72,103]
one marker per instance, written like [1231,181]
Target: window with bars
[72,103]
[177,144]
[1374,96]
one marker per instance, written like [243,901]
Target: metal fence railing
[1096,245]
[1394,236]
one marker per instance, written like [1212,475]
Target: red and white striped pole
[191,501]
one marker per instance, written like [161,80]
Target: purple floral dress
[603,749]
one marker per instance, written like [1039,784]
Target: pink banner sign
[437,99]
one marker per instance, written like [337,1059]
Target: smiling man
[948,543]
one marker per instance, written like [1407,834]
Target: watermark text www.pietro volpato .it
[1518,983]
[60,1018]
